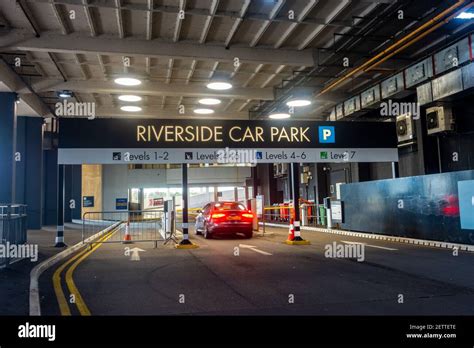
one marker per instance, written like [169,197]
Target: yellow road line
[62,302]
[81,305]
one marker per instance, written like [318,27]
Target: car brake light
[247,215]
[217,215]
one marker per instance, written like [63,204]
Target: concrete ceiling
[174,46]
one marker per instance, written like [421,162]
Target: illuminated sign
[202,141]
[132,133]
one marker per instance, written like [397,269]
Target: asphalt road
[271,279]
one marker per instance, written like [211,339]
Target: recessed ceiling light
[219,85]
[279,115]
[127,81]
[130,98]
[131,108]
[203,111]
[465,15]
[298,102]
[209,101]
[65,94]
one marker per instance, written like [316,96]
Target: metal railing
[13,227]
[134,226]
[310,214]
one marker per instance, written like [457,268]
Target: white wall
[114,184]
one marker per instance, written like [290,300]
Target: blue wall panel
[466,203]
[20,171]
[34,171]
[7,147]
[76,190]
[424,207]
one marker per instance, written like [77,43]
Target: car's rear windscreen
[230,206]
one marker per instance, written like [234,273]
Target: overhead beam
[243,106]
[242,69]
[301,16]
[208,22]
[149,20]
[20,40]
[273,13]
[191,71]
[169,73]
[169,9]
[90,20]
[237,22]
[179,20]
[213,69]
[149,32]
[255,73]
[62,22]
[16,84]
[271,77]
[152,89]
[102,65]
[332,16]
[118,14]
[84,71]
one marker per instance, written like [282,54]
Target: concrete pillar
[76,190]
[60,207]
[20,169]
[50,186]
[67,193]
[33,161]
[7,147]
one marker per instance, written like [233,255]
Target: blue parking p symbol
[327,134]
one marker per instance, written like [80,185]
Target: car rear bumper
[230,228]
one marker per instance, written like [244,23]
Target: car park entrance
[178,145]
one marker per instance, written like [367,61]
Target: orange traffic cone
[291,231]
[127,238]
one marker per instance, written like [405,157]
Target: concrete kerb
[424,242]
[35,308]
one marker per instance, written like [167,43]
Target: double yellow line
[75,261]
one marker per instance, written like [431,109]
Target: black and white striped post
[295,184]
[185,243]
[60,208]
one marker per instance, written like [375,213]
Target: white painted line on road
[135,254]
[437,244]
[246,246]
[369,245]
[35,308]
[254,248]
[260,251]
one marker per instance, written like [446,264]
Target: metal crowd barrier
[134,226]
[13,228]
[310,214]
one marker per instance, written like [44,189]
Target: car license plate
[233,218]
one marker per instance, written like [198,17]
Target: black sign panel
[147,133]
[88,201]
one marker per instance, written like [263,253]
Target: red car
[225,218]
